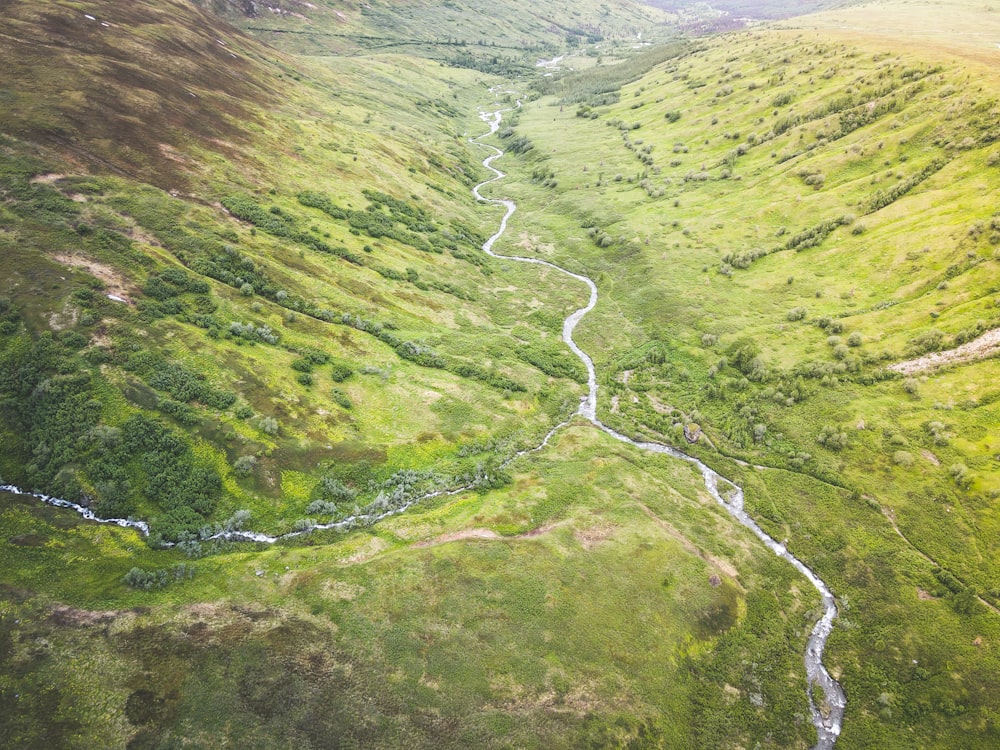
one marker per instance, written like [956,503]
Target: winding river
[827,721]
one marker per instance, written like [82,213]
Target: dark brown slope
[127,86]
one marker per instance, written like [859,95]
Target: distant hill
[758,9]
[454,29]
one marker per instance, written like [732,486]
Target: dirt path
[488,534]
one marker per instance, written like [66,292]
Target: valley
[592,466]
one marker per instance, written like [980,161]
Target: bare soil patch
[114,283]
[987,345]
[591,537]
[457,536]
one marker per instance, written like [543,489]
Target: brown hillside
[127,86]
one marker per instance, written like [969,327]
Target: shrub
[321,508]
[269,425]
[902,458]
[960,473]
[238,520]
[341,398]
[138,578]
[797,313]
[938,432]
[832,437]
[333,490]
[244,465]
[855,339]
[340,372]
[252,333]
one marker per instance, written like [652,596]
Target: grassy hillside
[775,219]
[293,287]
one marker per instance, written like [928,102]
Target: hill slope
[276,317]
[271,249]
[782,221]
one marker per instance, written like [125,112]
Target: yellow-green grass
[664,333]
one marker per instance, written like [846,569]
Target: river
[827,723]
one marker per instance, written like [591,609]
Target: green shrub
[340,372]
[832,437]
[797,313]
[244,465]
[341,398]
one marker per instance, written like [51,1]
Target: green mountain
[244,297]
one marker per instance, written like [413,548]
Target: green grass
[603,622]
[716,183]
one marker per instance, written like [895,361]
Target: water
[829,719]
[827,722]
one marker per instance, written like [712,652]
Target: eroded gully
[827,720]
